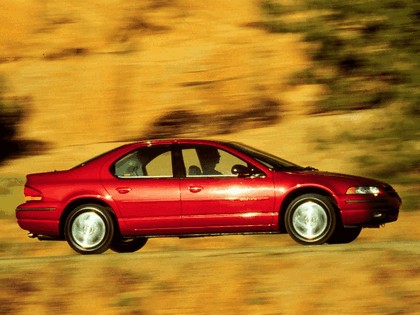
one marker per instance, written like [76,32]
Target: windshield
[269,160]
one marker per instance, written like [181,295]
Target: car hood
[343,176]
[321,177]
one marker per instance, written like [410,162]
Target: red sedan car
[189,188]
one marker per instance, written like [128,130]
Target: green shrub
[13,111]
[365,53]
[370,43]
[11,116]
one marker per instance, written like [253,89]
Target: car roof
[180,140]
[176,141]
[125,148]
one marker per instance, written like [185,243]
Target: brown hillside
[103,73]
[98,74]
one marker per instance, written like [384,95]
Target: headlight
[363,190]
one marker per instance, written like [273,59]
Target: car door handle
[195,189]
[123,190]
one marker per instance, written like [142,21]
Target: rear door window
[154,161]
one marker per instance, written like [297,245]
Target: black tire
[129,245]
[344,235]
[89,229]
[310,219]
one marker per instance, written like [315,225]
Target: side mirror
[241,170]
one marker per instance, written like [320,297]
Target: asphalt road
[412,246]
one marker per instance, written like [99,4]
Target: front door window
[205,161]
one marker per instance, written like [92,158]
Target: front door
[214,200]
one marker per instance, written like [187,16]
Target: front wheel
[89,229]
[344,235]
[310,219]
[130,245]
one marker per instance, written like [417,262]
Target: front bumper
[366,211]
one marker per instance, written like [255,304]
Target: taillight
[31,194]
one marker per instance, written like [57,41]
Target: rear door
[146,191]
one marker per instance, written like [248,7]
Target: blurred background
[324,83]
[328,83]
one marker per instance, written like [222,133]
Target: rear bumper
[38,219]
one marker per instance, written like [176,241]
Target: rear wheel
[89,229]
[310,219]
[130,245]
[344,235]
